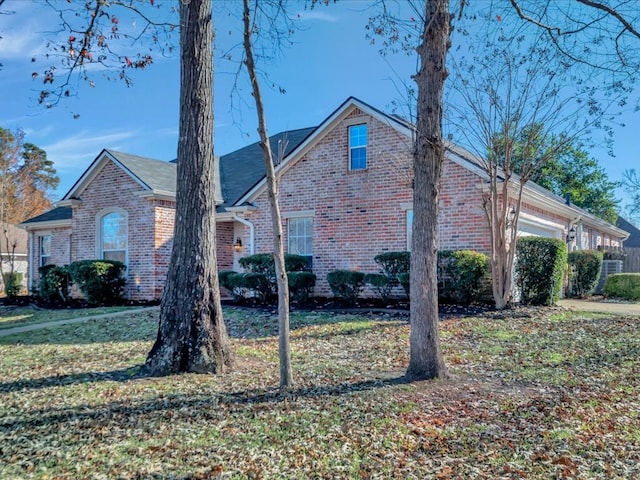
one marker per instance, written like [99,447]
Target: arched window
[113,236]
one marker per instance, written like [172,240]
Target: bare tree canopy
[98,38]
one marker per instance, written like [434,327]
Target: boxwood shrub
[460,275]
[625,286]
[301,284]
[586,266]
[54,284]
[540,268]
[346,284]
[100,281]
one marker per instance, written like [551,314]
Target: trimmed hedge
[625,286]
[346,284]
[100,281]
[586,267]
[540,268]
[301,284]
[381,284]
[460,275]
[393,264]
[54,284]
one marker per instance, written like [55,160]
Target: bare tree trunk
[286,377]
[425,358]
[192,336]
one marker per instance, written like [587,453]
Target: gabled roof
[156,176]
[320,131]
[242,169]
[634,233]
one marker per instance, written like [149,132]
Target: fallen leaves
[530,397]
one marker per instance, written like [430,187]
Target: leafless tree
[250,22]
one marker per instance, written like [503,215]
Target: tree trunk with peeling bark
[425,357]
[192,336]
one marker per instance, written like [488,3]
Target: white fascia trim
[94,169]
[71,202]
[44,225]
[157,195]
[320,132]
[242,208]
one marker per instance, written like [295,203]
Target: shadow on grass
[195,407]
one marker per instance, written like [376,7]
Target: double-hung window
[300,236]
[113,236]
[358,147]
[44,249]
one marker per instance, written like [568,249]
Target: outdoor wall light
[237,246]
[571,236]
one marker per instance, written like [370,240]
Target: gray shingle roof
[158,175]
[58,213]
[634,233]
[243,169]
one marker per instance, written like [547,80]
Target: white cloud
[82,147]
[309,15]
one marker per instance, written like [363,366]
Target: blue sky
[331,59]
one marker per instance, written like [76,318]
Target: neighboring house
[631,246]
[13,250]
[345,193]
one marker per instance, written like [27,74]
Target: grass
[18,316]
[547,395]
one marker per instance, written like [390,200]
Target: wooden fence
[632,260]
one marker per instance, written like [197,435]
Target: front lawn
[534,394]
[19,316]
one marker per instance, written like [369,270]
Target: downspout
[252,230]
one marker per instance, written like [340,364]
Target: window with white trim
[113,236]
[358,147]
[44,247]
[300,236]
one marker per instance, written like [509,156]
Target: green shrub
[12,284]
[405,282]
[460,275]
[586,266]
[540,269]
[301,284]
[264,264]
[381,284]
[346,284]
[54,284]
[393,264]
[100,281]
[625,286]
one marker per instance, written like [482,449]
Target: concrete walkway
[597,306]
[37,326]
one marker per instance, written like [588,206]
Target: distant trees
[573,171]
[27,178]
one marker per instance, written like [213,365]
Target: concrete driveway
[600,306]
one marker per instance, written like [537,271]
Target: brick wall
[358,214]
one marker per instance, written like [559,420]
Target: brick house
[345,196]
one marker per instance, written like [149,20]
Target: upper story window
[113,236]
[358,147]
[409,229]
[45,249]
